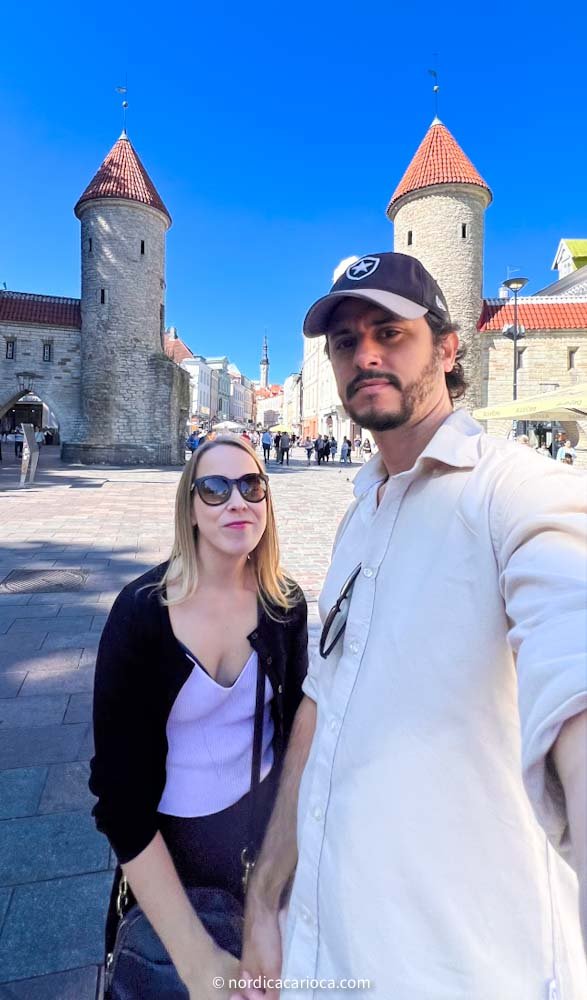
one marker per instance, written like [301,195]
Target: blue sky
[276,134]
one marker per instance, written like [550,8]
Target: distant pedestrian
[266,441]
[18,442]
[319,448]
[366,450]
[345,451]
[326,449]
[277,445]
[566,449]
[309,448]
[333,447]
[284,446]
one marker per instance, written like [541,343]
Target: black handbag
[139,967]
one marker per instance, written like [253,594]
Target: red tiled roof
[537,313]
[438,160]
[44,310]
[122,175]
[176,349]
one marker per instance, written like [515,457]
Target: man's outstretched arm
[570,758]
[262,950]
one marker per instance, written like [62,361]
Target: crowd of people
[560,448]
[321,449]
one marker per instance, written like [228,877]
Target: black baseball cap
[393,281]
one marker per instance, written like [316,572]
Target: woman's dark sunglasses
[216,490]
[335,623]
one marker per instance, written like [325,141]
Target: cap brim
[318,317]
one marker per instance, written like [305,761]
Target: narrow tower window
[90,245]
[142,248]
[409,237]
[102,296]
[47,351]
[571,357]
[464,230]
[520,352]
[10,350]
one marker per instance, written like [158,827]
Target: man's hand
[262,950]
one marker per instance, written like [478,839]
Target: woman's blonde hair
[277,592]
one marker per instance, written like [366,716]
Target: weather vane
[123,90]
[435,88]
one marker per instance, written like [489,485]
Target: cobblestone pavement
[112,524]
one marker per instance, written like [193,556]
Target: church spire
[264,367]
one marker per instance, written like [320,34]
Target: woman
[309,448]
[198,656]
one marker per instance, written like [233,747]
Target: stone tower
[438,212]
[134,399]
[264,366]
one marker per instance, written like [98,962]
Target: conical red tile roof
[438,160]
[122,175]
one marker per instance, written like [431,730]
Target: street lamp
[515,285]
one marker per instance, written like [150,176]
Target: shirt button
[333,725]
[368,572]
[317,813]
[280,689]
[305,915]
[354,647]
[253,635]
[269,661]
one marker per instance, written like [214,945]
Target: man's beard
[411,396]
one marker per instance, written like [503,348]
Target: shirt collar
[456,443]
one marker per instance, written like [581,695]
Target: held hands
[262,952]
[211,981]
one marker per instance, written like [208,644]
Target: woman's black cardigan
[139,672]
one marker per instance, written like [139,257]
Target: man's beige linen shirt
[431,826]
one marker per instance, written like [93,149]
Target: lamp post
[515,285]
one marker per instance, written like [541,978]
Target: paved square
[112,525]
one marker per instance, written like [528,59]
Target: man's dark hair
[455,379]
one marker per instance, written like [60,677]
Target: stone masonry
[58,381]
[435,218]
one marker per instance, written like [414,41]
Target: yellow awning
[561,405]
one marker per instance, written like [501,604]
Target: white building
[292,402]
[200,378]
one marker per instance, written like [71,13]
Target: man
[266,441]
[442,736]
[284,447]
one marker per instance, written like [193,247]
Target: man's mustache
[364,377]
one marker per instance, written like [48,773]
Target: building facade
[220,366]
[98,363]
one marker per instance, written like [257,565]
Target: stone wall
[435,217]
[58,384]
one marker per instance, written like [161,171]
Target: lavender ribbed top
[210,740]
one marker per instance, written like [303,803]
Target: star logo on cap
[440,304]
[362,268]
